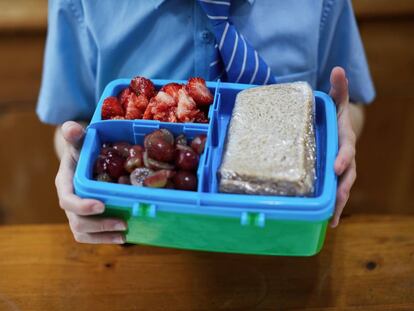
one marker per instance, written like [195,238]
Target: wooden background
[385,151]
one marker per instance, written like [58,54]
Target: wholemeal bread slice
[270,146]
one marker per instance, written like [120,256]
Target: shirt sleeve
[67,88]
[341,45]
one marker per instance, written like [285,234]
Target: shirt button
[207,36]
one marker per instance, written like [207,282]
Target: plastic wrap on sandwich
[270,144]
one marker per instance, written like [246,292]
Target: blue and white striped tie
[235,60]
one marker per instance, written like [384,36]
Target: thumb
[339,86]
[73,133]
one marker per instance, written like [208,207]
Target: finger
[87,224]
[100,238]
[67,199]
[339,86]
[339,89]
[73,133]
[342,195]
[346,155]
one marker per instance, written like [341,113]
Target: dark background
[385,151]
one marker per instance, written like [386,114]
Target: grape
[181,140]
[139,174]
[198,143]
[156,165]
[164,134]
[122,148]
[158,179]
[124,179]
[158,149]
[109,151]
[104,177]
[136,149]
[184,180]
[132,163]
[187,160]
[100,165]
[115,164]
[183,147]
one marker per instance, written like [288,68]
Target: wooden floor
[366,264]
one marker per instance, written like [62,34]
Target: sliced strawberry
[118,118]
[172,115]
[165,98]
[123,96]
[201,117]
[172,90]
[186,108]
[162,108]
[149,112]
[111,107]
[144,86]
[198,90]
[135,106]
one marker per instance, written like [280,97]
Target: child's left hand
[345,166]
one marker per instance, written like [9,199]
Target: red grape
[187,160]
[158,179]
[136,149]
[115,165]
[124,179]
[122,148]
[104,177]
[184,147]
[156,165]
[181,140]
[132,163]
[198,143]
[164,134]
[100,165]
[184,180]
[160,150]
[138,176]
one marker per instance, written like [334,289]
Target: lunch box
[206,219]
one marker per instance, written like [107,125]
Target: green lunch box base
[222,234]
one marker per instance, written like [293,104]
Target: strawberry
[161,107]
[135,106]
[172,90]
[165,98]
[118,118]
[200,117]
[123,96]
[148,114]
[111,107]
[197,89]
[186,108]
[144,86]
[172,115]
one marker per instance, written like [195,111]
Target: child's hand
[345,166]
[85,229]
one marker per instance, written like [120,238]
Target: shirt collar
[157,3]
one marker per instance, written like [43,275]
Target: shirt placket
[203,42]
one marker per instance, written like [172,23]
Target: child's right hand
[85,229]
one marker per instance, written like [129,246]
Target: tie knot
[216,10]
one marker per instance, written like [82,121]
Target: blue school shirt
[90,43]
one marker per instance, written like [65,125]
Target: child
[90,43]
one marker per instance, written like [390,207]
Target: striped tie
[235,60]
